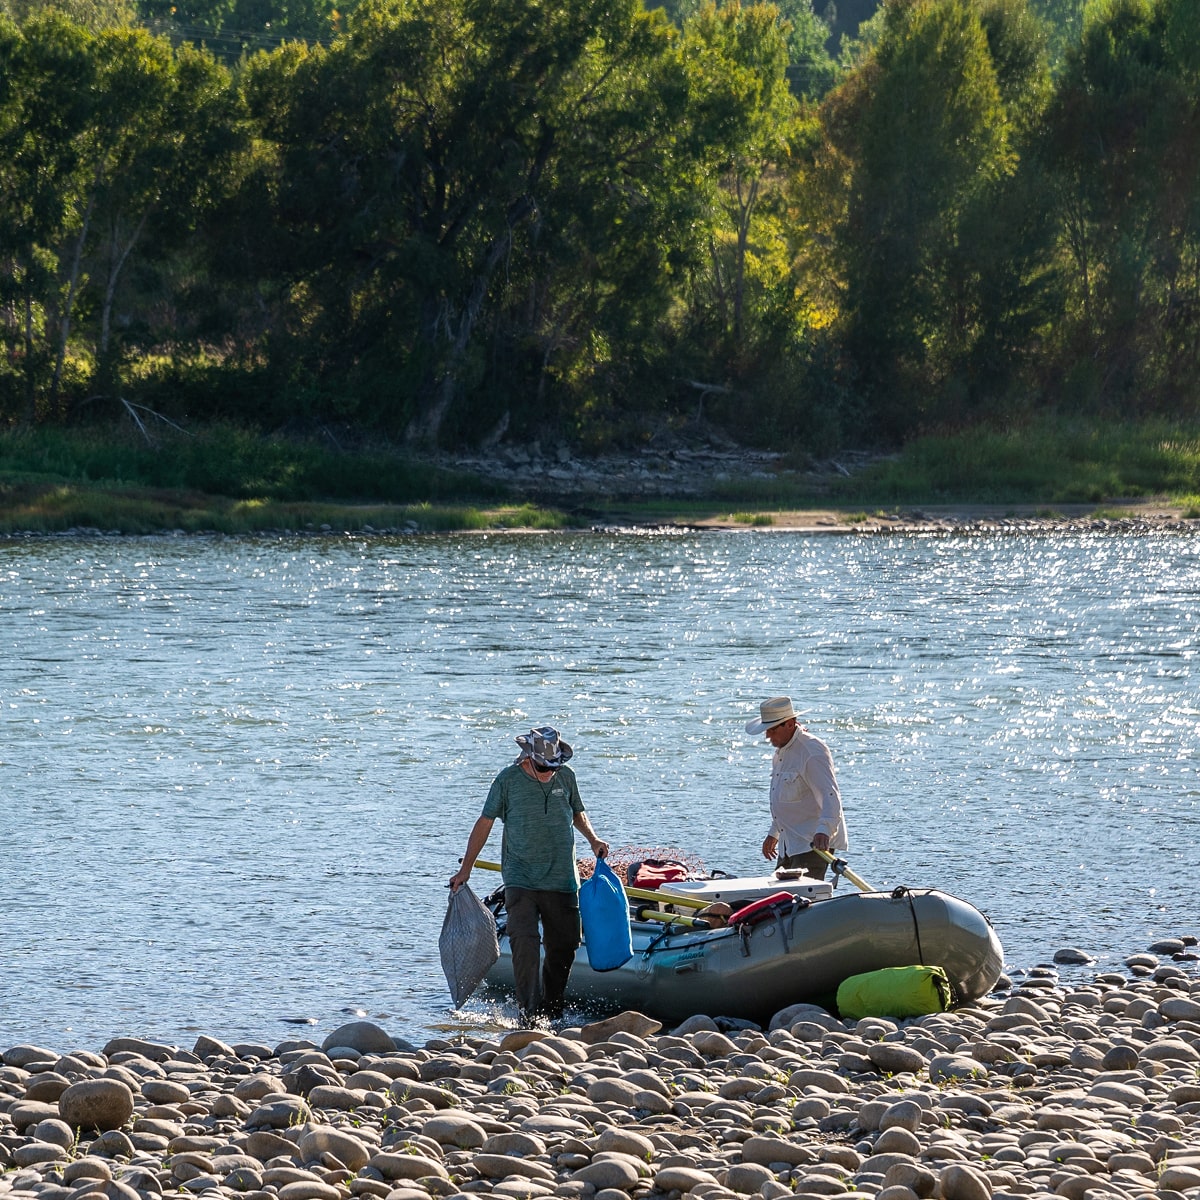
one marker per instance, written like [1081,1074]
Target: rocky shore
[1087,1091]
[674,471]
[702,469]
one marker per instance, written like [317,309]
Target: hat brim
[762,726]
[564,754]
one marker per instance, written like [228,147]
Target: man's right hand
[770,846]
[459,878]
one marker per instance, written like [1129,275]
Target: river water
[237,773]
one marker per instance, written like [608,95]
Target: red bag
[652,873]
[760,910]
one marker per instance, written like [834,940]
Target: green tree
[430,159]
[163,149]
[1063,20]
[93,15]
[739,59]
[105,139]
[1124,139]
[812,69]
[930,131]
[231,28]
[47,103]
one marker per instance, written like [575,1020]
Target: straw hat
[773,712]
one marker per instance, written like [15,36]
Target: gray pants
[540,993]
[811,861]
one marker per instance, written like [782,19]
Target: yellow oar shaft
[648,914]
[858,881]
[631,892]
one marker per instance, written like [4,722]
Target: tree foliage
[460,220]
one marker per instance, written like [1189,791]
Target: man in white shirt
[806,806]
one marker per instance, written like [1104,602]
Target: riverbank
[1131,516]
[1088,1091]
[233,481]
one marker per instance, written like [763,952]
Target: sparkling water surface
[237,773]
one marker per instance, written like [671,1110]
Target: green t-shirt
[538,851]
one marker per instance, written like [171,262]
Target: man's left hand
[820,841]
[600,849]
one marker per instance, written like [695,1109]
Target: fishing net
[621,858]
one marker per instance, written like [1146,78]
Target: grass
[230,480]
[55,508]
[1050,461]
[235,481]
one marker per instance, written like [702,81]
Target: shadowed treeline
[456,221]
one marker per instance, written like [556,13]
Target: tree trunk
[116,266]
[64,323]
[425,425]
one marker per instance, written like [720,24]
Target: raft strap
[903,893]
[777,906]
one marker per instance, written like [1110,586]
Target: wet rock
[1071,955]
[363,1036]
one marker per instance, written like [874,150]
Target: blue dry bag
[604,912]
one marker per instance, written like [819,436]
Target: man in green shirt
[537,799]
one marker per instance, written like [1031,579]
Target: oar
[652,914]
[840,868]
[632,892]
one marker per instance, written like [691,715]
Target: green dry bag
[895,992]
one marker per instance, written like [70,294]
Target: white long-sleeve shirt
[804,796]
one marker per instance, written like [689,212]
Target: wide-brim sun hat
[544,746]
[773,712]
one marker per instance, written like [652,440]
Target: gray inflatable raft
[753,971]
